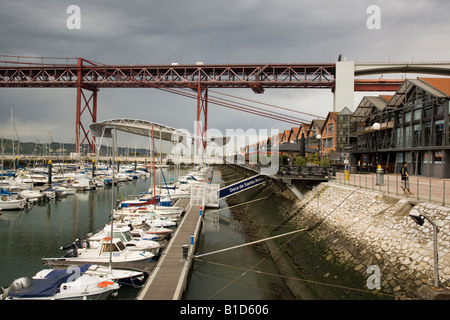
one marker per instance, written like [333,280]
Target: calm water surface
[227,275]
[38,232]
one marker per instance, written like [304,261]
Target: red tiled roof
[386,97]
[442,84]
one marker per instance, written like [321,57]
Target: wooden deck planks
[168,279]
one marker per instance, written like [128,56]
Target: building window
[408,136]
[439,110]
[427,112]
[439,132]
[330,128]
[407,117]
[426,134]
[426,157]
[438,157]
[417,135]
[416,114]
[399,137]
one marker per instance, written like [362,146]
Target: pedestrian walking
[405,178]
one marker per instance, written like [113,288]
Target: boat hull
[142,266]
[11,204]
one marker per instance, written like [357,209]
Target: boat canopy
[48,286]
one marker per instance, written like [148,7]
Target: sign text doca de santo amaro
[241,186]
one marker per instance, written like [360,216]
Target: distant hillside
[59,148]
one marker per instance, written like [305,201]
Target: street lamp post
[376,126]
[319,143]
[420,219]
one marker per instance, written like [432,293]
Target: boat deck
[169,277]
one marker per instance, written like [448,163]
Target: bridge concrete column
[344,91]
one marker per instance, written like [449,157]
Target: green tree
[300,161]
[325,162]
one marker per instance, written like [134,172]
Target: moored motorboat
[123,233]
[32,195]
[61,284]
[66,190]
[83,184]
[122,277]
[6,203]
[109,252]
[143,231]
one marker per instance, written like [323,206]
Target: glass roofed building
[412,126]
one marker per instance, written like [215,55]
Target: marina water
[227,275]
[38,232]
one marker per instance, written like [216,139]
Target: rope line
[297,279]
[254,266]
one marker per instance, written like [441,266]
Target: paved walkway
[436,190]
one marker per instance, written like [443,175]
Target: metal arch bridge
[88,77]
[149,129]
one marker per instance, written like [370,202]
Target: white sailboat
[7,202]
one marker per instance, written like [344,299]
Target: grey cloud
[213,31]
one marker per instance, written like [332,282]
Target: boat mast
[154,164]
[112,197]
[12,140]
[1,180]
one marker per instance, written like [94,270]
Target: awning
[383,126]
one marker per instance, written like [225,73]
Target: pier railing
[435,190]
[293,172]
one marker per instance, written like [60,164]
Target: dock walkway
[169,277]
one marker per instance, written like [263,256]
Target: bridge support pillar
[86,102]
[344,91]
[202,118]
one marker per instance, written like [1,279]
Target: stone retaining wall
[365,228]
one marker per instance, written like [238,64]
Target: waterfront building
[312,142]
[344,136]
[329,136]
[412,126]
[285,136]
[291,145]
[294,135]
[303,133]
[363,157]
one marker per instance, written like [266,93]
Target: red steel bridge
[88,77]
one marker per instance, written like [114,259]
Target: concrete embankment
[360,244]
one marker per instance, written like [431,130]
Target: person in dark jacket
[405,178]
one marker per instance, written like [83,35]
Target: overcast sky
[212,31]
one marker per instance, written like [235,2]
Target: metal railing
[435,190]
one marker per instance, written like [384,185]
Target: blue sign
[241,186]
